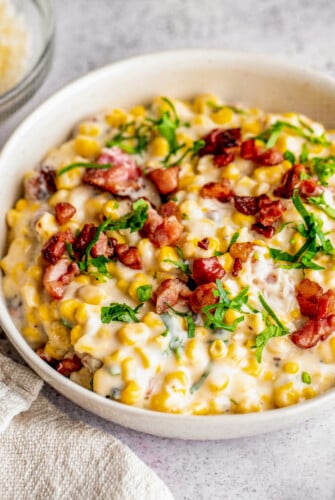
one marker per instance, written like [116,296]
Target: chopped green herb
[233,401]
[289,156]
[217,253]
[82,164]
[66,323]
[167,125]
[141,135]
[192,150]
[218,107]
[283,226]
[306,378]
[189,320]
[321,203]
[175,346]
[119,312]
[195,387]
[234,239]
[270,312]
[144,292]
[183,265]
[303,158]
[324,168]
[270,135]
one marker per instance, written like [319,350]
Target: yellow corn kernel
[30,295]
[268,376]
[218,349]
[89,128]
[128,369]
[295,313]
[44,313]
[109,209]
[76,333]
[194,349]
[46,226]
[231,172]
[242,220]
[131,393]
[227,262]
[115,357]
[33,335]
[271,175]
[198,120]
[185,139]
[21,205]
[153,320]
[231,316]
[332,346]
[82,279]
[123,285]
[199,408]
[200,103]
[159,147]
[297,241]
[86,146]
[315,148]
[219,385]
[253,127]
[177,378]
[224,115]
[144,358]
[281,144]
[116,118]
[160,341]
[69,179]
[138,111]
[167,253]
[35,272]
[145,247]
[161,401]
[81,314]
[291,367]
[52,352]
[18,271]
[308,393]
[201,332]
[13,217]
[285,395]
[253,368]
[246,406]
[133,333]
[68,309]
[132,290]
[92,295]
[289,114]
[235,352]
[187,181]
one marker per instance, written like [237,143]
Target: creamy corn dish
[179,257]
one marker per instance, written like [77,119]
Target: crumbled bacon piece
[207,270]
[204,243]
[151,224]
[270,157]
[64,212]
[269,210]
[223,159]
[129,256]
[219,142]
[247,205]
[120,178]
[103,245]
[57,276]
[169,293]
[170,208]
[290,181]
[220,191]
[69,365]
[241,250]
[267,231]
[45,357]
[310,187]
[237,267]
[313,331]
[326,304]
[249,149]
[167,232]
[42,185]
[203,296]
[308,294]
[55,247]
[165,179]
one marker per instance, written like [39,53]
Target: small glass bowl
[39,18]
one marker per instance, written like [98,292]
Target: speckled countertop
[288,465]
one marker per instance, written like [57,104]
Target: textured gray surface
[292,464]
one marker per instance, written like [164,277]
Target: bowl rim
[16,338]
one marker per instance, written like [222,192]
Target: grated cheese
[13,46]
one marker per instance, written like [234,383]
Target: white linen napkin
[46,454]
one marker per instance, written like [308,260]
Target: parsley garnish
[193,150]
[274,328]
[321,203]
[144,292]
[234,239]
[195,387]
[303,158]
[306,378]
[167,125]
[218,107]
[289,156]
[214,313]
[183,265]
[141,135]
[83,164]
[66,323]
[324,168]
[175,346]
[270,135]
[189,321]
[119,312]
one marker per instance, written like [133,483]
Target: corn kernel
[81,314]
[231,316]
[109,209]
[86,146]
[167,253]
[131,393]
[68,309]
[177,379]
[145,247]
[161,402]
[116,118]
[82,279]
[123,285]
[281,144]
[133,333]
[153,320]
[285,395]
[132,290]
[295,313]
[200,103]
[33,335]
[52,352]
[128,369]
[35,272]
[185,139]
[308,393]
[291,367]
[21,205]
[224,115]
[268,376]
[76,333]
[253,127]
[187,181]
[253,368]
[198,120]
[242,220]
[219,385]
[44,313]
[199,408]
[69,180]
[138,111]
[315,148]
[218,349]
[159,147]
[144,358]
[271,175]
[89,128]
[91,295]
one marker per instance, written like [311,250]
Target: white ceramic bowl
[255,81]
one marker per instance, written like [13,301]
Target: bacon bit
[204,243]
[167,232]
[247,205]
[223,159]
[249,150]
[170,208]
[267,231]
[290,181]
[118,179]
[241,251]
[55,247]
[42,185]
[165,179]
[308,294]
[219,141]
[103,246]
[313,331]
[237,267]
[129,256]
[310,187]
[270,157]
[326,305]
[151,224]
[220,191]
[203,296]
[45,357]
[269,210]
[207,270]
[69,365]
[169,293]
[57,276]
[64,212]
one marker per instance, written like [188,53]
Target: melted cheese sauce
[153,363]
